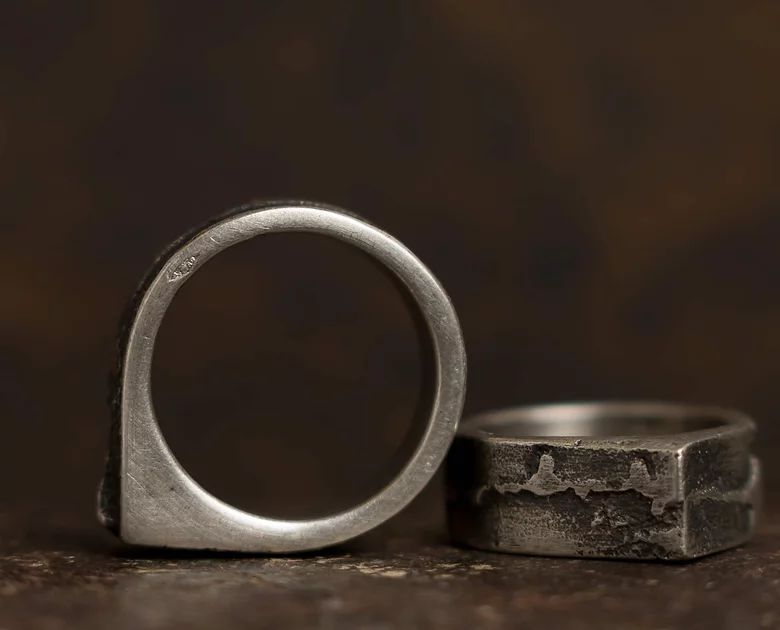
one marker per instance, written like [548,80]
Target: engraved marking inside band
[183,269]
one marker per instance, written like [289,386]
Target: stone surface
[60,574]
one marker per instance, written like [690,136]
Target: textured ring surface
[605,480]
[147,498]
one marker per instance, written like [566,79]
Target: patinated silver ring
[147,498]
[629,480]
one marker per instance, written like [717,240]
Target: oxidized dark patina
[648,495]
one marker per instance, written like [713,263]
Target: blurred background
[596,188]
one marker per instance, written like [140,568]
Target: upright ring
[630,480]
[147,498]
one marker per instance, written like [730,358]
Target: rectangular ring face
[589,500]
[722,494]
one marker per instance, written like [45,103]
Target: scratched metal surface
[404,577]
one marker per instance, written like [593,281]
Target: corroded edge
[605,498]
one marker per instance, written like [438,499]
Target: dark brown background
[595,187]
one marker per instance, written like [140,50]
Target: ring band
[609,480]
[147,498]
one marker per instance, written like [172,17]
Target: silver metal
[631,480]
[147,498]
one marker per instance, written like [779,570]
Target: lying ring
[147,498]
[626,480]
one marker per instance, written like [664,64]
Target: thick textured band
[148,499]
[606,480]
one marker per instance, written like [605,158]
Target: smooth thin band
[599,421]
[151,500]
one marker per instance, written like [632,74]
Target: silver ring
[147,498]
[630,480]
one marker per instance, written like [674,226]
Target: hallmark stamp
[184,269]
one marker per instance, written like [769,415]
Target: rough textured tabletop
[55,575]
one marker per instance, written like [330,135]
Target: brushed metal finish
[631,480]
[147,498]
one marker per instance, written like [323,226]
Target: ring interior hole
[286,377]
[598,425]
